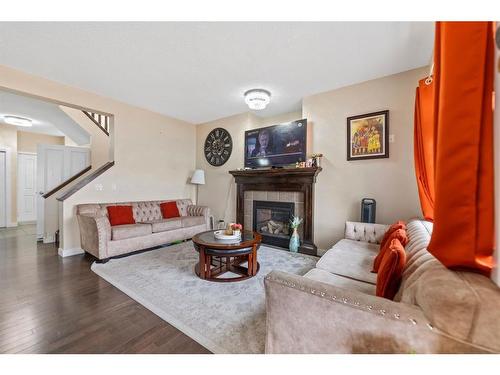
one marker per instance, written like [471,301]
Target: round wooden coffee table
[217,257]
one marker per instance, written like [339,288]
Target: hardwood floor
[50,304]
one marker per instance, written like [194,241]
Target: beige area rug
[223,317]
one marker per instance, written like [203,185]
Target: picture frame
[368,136]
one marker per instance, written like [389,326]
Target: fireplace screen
[272,221]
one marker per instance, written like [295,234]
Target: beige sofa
[104,241]
[333,308]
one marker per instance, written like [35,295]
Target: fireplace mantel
[281,179]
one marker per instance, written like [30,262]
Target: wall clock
[218,147]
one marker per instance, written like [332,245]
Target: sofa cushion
[120,215]
[191,221]
[352,259]
[169,210]
[165,224]
[461,304]
[182,205]
[121,232]
[419,235]
[92,209]
[340,281]
[391,269]
[146,211]
[400,235]
[394,227]
[366,232]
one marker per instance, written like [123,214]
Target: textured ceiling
[198,71]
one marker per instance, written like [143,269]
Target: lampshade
[198,177]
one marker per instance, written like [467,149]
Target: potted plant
[295,221]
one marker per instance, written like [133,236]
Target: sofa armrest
[194,210]
[307,316]
[95,232]
[366,232]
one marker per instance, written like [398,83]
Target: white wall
[342,184]
[8,139]
[215,193]
[26,141]
[154,154]
[99,141]
[100,155]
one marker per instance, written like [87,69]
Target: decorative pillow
[120,215]
[169,210]
[399,234]
[394,227]
[391,270]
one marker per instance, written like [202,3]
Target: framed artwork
[368,136]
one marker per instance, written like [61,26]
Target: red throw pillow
[399,234]
[391,270]
[120,215]
[169,210]
[394,227]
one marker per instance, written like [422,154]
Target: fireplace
[281,181]
[272,221]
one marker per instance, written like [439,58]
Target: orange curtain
[462,158]
[424,145]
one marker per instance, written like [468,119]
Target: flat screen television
[277,145]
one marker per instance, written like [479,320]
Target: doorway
[54,165]
[26,187]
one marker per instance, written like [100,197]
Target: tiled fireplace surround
[295,197]
[281,185]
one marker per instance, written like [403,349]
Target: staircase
[102,121]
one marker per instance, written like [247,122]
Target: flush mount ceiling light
[18,121]
[257,99]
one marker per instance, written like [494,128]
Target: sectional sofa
[333,308]
[104,241]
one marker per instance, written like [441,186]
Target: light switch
[113,187]
[392,138]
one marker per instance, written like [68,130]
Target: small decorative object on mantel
[317,160]
[368,136]
[295,239]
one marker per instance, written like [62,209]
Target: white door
[78,160]
[26,187]
[3,190]
[56,164]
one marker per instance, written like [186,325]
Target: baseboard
[49,238]
[70,252]
[12,224]
[322,252]
[29,222]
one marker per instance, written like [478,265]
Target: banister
[68,181]
[86,180]
[104,127]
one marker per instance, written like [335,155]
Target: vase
[294,241]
